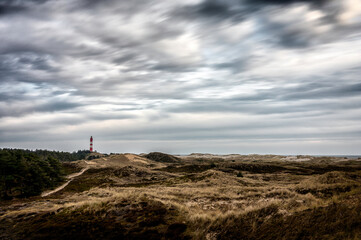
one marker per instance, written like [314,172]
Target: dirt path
[69,177]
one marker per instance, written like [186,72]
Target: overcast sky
[217,76]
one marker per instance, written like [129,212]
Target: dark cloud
[295,38]
[263,108]
[26,67]
[36,63]
[56,106]
[286,2]
[237,9]
[11,96]
[235,66]
[147,73]
[304,92]
[8,9]
[124,58]
[129,7]
[325,92]
[17,6]
[288,33]
[214,8]
[20,2]
[172,67]
[14,110]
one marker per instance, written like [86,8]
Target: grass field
[159,196]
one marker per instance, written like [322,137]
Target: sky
[209,76]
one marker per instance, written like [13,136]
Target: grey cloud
[109,116]
[56,45]
[295,38]
[287,2]
[124,58]
[305,92]
[288,34]
[219,134]
[235,66]
[173,68]
[18,47]
[238,9]
[57,106]
[326,92]
[4,9]
[12,6]
[262,106]
[11,96]
[128,7]
[25,67]
[36,63]
[159,70]
[214,8]
[16,108]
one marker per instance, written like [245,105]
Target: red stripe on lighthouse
[91,144]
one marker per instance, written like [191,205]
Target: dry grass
[212,203]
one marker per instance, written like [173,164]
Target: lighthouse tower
[91,144]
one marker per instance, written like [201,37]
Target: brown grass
[272,200]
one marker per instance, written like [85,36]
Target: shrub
[24,174]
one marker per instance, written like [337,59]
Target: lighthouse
[91,144]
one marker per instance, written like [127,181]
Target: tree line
[25,173]
[61,156]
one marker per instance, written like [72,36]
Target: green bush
[24,173]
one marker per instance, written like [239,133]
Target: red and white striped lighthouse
[91,144]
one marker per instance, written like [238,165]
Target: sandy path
[70,177]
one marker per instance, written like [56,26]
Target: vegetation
[236,197]
[162,157]
[61,156]
[24,173]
